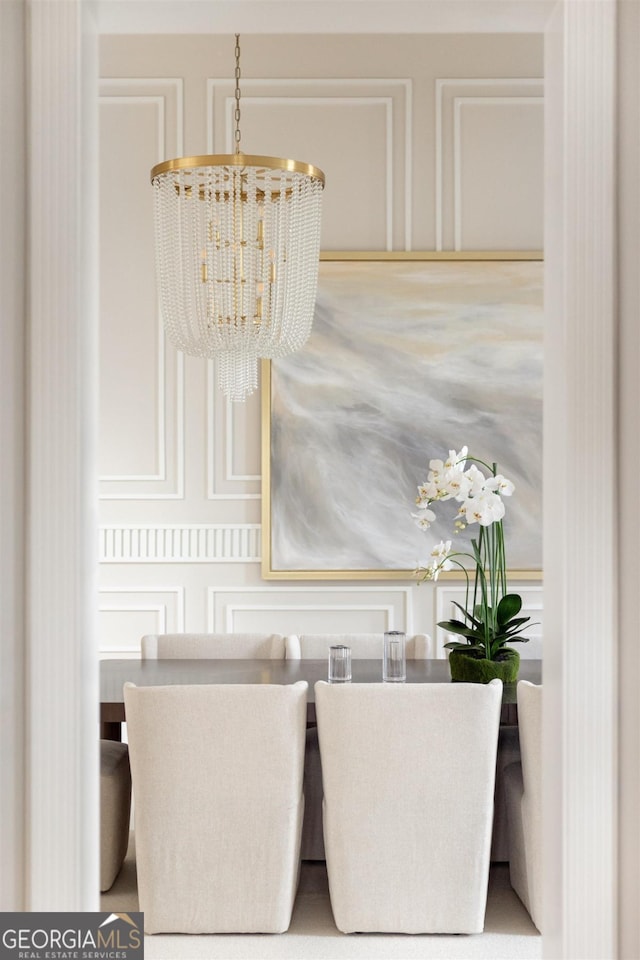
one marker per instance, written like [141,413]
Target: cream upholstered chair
[213,646]
[523,791]
[315,646]
[408,773]
[115,808]
[217,776]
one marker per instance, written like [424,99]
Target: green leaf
[465,613]
[509,607]
[504,640]
[455,626]
[517,626]
[513,624]
[467,647]
[481,611]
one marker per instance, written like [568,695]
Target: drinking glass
[339,664]
[394,662]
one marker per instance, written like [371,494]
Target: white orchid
[491,616]
[424,519]
[500,484]
[440,558]
[485,509]
[474,483]
[427,493]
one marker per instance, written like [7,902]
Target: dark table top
[115,673]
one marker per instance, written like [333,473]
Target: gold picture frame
[356,285]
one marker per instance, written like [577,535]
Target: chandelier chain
[237,94]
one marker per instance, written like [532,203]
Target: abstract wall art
[410,355]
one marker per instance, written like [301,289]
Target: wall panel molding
[167,482]
[165,603]
[393,603]
[469,88]
[458,104]
[323,92]
[180,543]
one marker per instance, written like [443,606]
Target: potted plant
[490,615]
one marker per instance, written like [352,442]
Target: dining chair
[408,774]
[212,646]
[315,646]
[115,809]
[523,791]
[217,776]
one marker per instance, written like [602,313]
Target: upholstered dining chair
[408,774]
[115,809]
[315,646]
[217,775]
[213,646]
[523,791]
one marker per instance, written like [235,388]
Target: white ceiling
[322,16]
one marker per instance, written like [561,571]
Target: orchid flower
[491,615]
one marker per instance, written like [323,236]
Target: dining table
[115,673]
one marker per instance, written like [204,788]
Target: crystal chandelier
[237,252]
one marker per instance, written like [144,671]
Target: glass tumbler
[339,664]
[394,662]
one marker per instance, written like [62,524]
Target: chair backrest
[530,729]
[364,646]
[217,776]
[408,774]
[213,646]
[530,726]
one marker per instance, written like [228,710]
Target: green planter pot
[467,668]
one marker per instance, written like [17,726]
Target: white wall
[428,142]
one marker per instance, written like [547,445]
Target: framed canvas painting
[411,355]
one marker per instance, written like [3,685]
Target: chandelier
[237,253]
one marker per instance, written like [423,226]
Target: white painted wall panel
[132,381]
[141,403]
[498,197]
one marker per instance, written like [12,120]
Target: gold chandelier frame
[238,160]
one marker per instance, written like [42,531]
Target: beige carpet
[509,933]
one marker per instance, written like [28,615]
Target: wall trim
[458,104]
[180,543]
[580,440]
[62,678]
[441,84]
[218,617]
[114,90]
[369,82]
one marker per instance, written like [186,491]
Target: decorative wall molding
[61,800]
[501,84]
[583,437]
[222,605]
[166,603]
[346,98]
[180,543]
[458,104]
[118,86]
[167,94]
[13,464]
